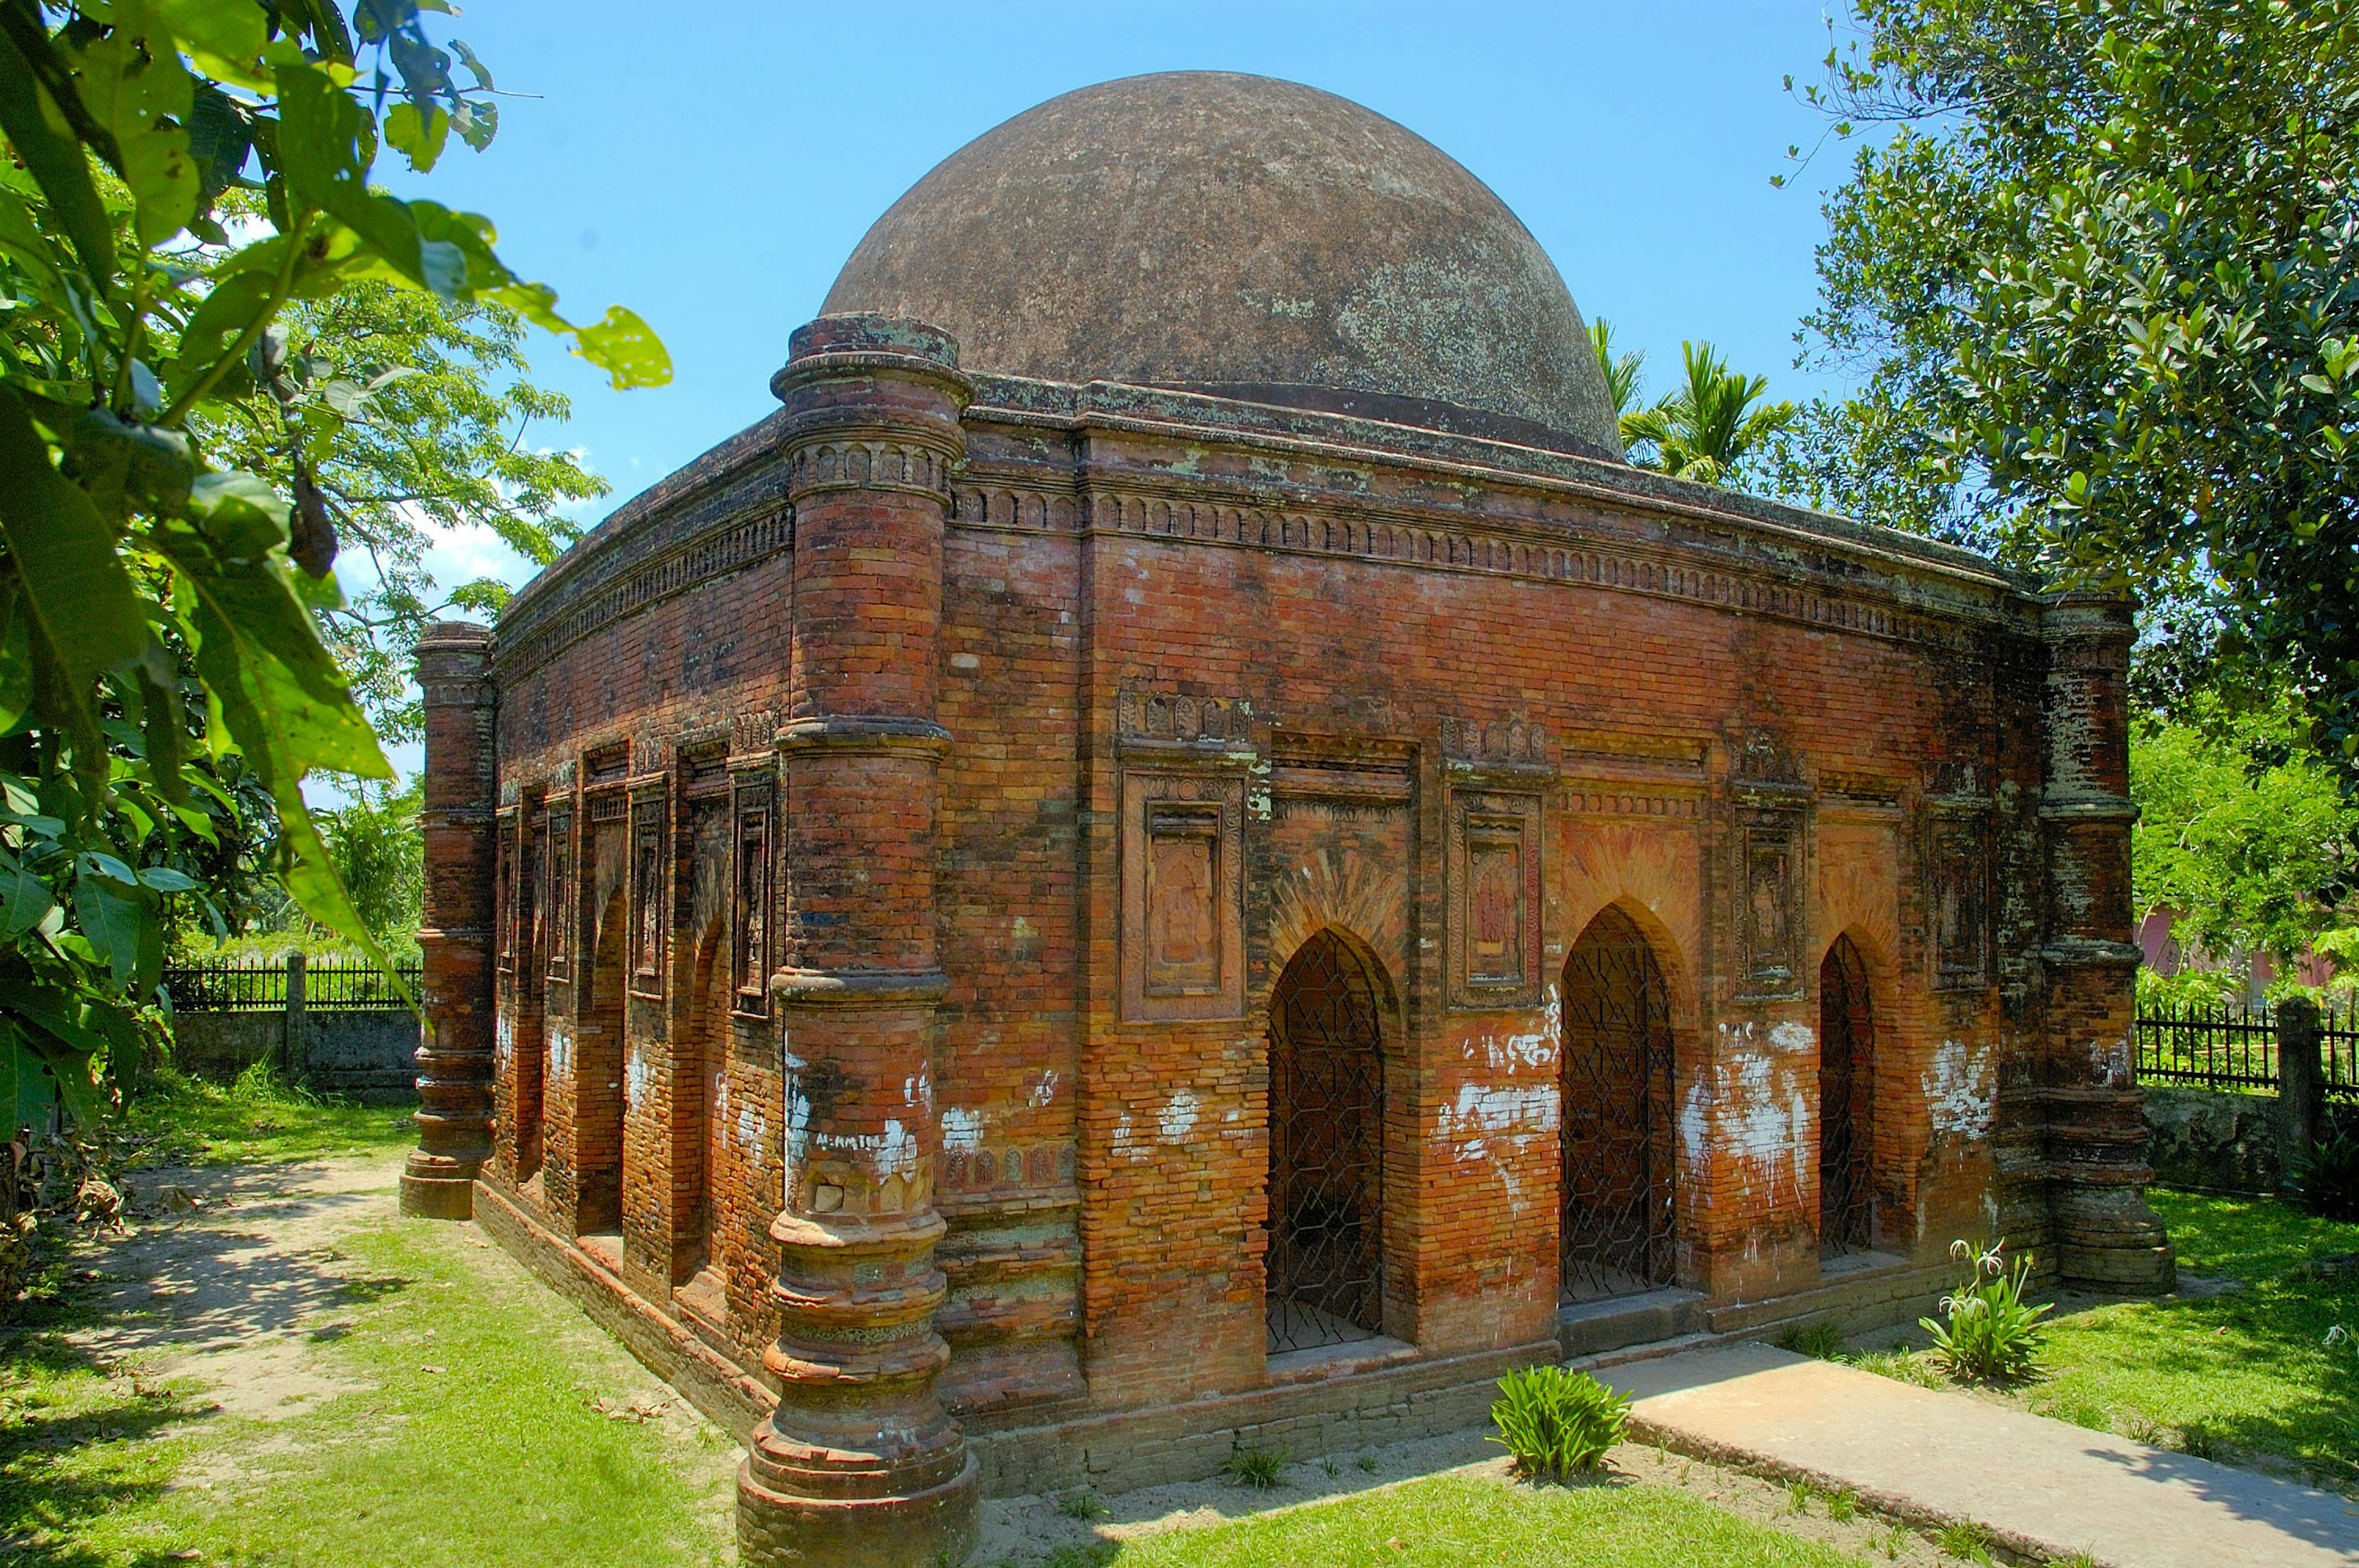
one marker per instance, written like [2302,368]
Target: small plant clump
[1080,1504]
[1986,1332]
[2324,1178]
[1822,1341]
[1844,1507]
[1966,1541]
[1558,1422]
[1259,1468]
[1797,1497]
[1368,1463]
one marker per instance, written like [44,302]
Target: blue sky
[713,166]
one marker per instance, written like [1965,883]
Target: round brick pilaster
[2096,1136]
[458,822]
[860,1464]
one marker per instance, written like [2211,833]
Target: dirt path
[232,1278]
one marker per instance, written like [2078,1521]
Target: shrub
[1260,1468]
[1986,1333]
[1557,1422]
[2324,1178]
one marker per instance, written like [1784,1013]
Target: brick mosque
[1179,852]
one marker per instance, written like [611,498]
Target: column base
[932,1528]
[2108,1239]
[439,1191]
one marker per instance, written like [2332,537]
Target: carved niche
[1493,919]
[1498,774]
[559,916]
[1182,935]
[1957,877]
[650,909]
[1774,803]
[750,905]
[1772,872]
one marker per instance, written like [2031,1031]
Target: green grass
[258,1119]
[494,1459]
[1448,1521]
[2246,1373]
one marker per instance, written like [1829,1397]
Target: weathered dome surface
[1241,236]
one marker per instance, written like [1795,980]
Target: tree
[2243,834]
[1708,429]
[159,631]
[1621,371]
[406,409]
[2110,262]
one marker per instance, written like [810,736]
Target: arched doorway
[1846,1103]
[1326,1149]
[1617,1094]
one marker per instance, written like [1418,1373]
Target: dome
[1243,236]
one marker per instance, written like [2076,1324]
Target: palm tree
[1621,371]
[1705,429]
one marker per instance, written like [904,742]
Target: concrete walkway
[2040,1486]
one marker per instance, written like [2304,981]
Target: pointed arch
[1848,1189]
[1328,1011]
[1618,1216]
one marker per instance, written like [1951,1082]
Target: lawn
[2245,1375]
[1453,1521]
[463,1433]
[177,1120]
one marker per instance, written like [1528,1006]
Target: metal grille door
[1846,1103]
[1326,1151]
[1616,1231]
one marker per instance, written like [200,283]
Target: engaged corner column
[860,1466]
[2106,1235]
[454,1058]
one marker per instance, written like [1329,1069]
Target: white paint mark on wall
[753,1132]
[1126,1143]
[636,1080]
[896,1152]
[1487,1111]
[503,1039]
[1177,1119]
[1044,1088]
[961,1130]
[1960,1091]
[560,1048]
[918,1091]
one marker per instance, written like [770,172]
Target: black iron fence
[276,985]
[2234,1045]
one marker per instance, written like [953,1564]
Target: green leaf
[626,348]
[24,241]
[16,657]
[112,922]
[28,1088]
[133,84]
[226,36]
[227,311]
[75,585]
[54,155]
[164,879]
[326,146]
[418,138]
[25,898]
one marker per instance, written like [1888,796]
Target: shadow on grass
[72,1447]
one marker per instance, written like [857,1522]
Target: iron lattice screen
[1846,1103]
[1616,1231]
[1326,1151]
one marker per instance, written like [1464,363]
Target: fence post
[2301,1082]
[292,1047]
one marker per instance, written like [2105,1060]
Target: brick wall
[1389,686]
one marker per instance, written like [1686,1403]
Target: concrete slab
[2040,1486]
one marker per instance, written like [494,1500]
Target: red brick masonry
[900,819]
